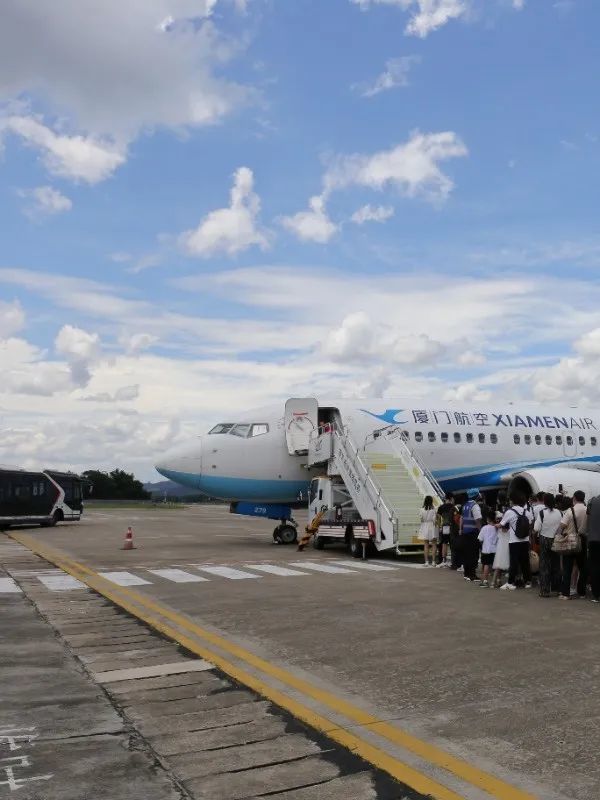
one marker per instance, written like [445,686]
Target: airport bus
[42,498]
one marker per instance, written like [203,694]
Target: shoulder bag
[568,542]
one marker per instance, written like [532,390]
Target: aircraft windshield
[244,430]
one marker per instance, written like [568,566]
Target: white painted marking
[123,578]
[8,586]
[177,575]
[366,565]
[228,572]
[273,569]
[322,567]
[61,583]
[155,671]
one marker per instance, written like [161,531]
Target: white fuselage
[464,446]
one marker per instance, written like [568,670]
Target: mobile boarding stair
[384,478]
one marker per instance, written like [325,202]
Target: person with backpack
[517,521]
[568,543]
[470,525]
[547,523]
[447,530]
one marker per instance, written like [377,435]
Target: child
[488,536]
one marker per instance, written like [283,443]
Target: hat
[473,494]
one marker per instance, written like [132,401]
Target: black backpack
[522,525]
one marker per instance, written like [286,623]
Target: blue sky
[215,204]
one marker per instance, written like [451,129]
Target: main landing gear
[286,532]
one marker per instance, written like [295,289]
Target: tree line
[115,485]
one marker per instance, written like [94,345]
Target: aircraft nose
[182,464]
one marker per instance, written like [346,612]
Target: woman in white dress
[427,531]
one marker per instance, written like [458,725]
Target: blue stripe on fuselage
[241,488]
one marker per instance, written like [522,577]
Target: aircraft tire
[287,534]
[356,548]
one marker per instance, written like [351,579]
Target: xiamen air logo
[389,416]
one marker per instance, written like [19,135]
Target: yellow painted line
[495,787]
[378,466]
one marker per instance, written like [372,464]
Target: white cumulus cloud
[313,225]
[413,167]
[371,213]
[233,229]
[394,76]
[80,349]
[44,201]
[79,158]
[12,318]
[426,15]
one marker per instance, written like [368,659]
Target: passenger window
[593,441]
[582,441]
[418,436]
[481,438]
[457,437]
[431,436]
[517,438]
[538,439]
[527,439]
[569,440]
[259,428]
[559,440]
[240,430]
[444,437]
[494,438]
[470,438]
[548,440]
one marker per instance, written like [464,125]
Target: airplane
[261,457]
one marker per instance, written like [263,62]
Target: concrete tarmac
[450,674]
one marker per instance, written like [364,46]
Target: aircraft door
[301,419]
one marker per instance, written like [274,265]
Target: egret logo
[389,416]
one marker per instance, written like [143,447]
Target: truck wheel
[287,534]
[356,548]
[318,543]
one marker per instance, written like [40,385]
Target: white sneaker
[441,564]
[528,586]
[509,586]
[460,569]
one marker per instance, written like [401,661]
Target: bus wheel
[56,517]
[287,534]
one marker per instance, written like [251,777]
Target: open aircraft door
[301,419]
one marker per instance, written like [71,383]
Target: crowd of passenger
[552,539]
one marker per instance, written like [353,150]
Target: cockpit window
[222,427]
[259,428]
[242,430]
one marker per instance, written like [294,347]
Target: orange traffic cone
[128,543]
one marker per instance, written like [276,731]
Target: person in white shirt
[488,536]
[427,531]
[537,505]
[573,524]
[514,520]
[547,523]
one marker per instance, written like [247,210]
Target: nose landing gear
[286,532]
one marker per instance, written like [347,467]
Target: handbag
[568,542]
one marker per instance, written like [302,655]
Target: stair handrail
[393,433]
[346,440]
